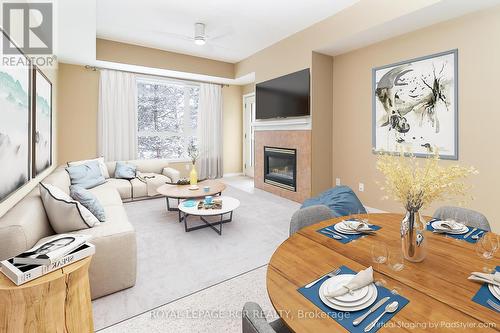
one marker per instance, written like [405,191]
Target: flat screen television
[283,97]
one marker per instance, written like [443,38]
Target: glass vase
[193,176]
[413,241]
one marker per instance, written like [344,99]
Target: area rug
[173,263]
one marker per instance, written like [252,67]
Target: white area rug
[173,263]
[216,309]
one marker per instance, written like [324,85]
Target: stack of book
[47,255]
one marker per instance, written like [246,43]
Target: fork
[493,305]
[331,274]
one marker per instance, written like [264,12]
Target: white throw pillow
[102,165]
[65,214]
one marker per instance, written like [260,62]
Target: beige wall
[23,191]
[478,69]
[322,117]
[77,121]
[144,56]
[232,129]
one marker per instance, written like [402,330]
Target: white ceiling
[236,29]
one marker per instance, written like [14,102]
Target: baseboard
[232,174]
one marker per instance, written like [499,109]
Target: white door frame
[248,120]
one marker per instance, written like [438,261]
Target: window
[167,118]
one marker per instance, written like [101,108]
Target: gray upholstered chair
[254,321]
[310,215]
[467,216]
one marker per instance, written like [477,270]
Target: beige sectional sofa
[113,266]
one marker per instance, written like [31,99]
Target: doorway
[248,134]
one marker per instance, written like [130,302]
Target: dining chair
[254,321]
[467,216]
[309,215]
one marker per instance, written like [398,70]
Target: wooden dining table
[439,294]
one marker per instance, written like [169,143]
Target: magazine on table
[22,273]
[50,249]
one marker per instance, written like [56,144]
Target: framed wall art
[415,106]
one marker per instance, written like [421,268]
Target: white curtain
[117,116]
[210,131]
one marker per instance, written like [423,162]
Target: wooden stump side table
[56,302]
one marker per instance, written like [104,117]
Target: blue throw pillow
[88,200]
[340,199]
[86,175]
[125,171]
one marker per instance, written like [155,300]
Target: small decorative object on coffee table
[219,206]
[193,154]
[417,184]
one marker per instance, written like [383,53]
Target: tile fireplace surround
[299,140]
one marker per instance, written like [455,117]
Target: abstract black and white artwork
[42,135]
[415,106]
[14,122]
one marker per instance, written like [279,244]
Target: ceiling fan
[200,36]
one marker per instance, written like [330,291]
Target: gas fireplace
[280,167]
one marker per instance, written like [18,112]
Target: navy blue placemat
[348,238]
[346,318]
[484,294]
[461,237]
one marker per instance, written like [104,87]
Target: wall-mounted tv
[283,97]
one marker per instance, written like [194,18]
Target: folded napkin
[451,224]
[485,277]
[360,280]
[358,226]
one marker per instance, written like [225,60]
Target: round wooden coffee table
[183,192]
[228,206]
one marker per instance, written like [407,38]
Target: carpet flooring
[173,263]
[216,309]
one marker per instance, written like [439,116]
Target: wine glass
[395,259]
[379,256]
[486,247]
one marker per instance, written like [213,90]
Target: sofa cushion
[107,195]
[86,175]
[59,178]
[100,160]
[23,225]
[173,174]
[115,253]
[340,199]
[88,200]
[65,214]
[139,188]
[125,170]
[123,187]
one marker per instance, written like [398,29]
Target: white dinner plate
[437,226]
[365,305]
[494,290]
[340,227]
[339,280]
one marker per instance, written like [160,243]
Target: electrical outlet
[187,167]
[361,187]
[337,181]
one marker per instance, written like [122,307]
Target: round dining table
[439,293]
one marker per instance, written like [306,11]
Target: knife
[374,308]
[470,233]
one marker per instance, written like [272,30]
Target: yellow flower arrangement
[418,183]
